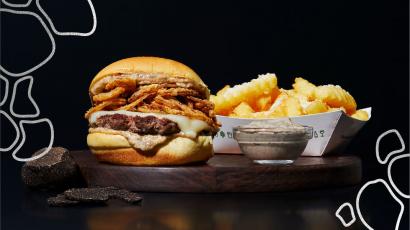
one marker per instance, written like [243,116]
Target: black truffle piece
[60,201]
[56,169]
[92,195]
[125,195]
[98,195]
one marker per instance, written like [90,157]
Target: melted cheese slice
[189,127]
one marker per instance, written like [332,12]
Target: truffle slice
[125,195]
[92,195]
[98,195]
[60,201]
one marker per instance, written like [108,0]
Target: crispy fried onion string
[144,90]
[173,106]
[104,104]
[108,95]
[135,103]
[203,105]
[173,92]
[126,83]
[162,91]
[155,98]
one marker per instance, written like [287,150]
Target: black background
[361,45]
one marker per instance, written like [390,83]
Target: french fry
[304,87]
[361,115]
[282,96]
[261,98]
[286,105]
[226,87]
[292,107]
[335,96]
[246,92]
[316,107]
[242,110]
[275,94]
[263,103]
[337,109]
[227,111]
[303,100]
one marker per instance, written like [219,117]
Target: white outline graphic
[70,33]
[351,212]
[17,132]
[20,128]
[23,140]
[390,178]
[392,152]
[53,44]
[392,184]
[6,89]
[17,5]
[359,213]
[13,97]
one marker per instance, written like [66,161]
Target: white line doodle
[391,179]
[24,139]
[347,204]
[379,180]
[70,33]
[13,97]
[6,90]
[53,44]
[359,194]
[17,5]
[53,48]
[15,128]
[392,152]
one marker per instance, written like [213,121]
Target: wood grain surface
[224,173]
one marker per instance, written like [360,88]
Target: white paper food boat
[332,132]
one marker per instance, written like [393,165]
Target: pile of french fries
[262,98]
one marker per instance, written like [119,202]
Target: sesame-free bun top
[148,65]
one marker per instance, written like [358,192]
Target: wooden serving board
[224,173]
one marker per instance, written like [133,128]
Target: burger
[150,111]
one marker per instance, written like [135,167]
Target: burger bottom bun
[177,151]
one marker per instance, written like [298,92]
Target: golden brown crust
[150,65]
[177,151]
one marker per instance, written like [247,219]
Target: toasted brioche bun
[148,65]
[115,149]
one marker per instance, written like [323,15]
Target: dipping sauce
[278,141]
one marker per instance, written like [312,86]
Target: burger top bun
[149,65]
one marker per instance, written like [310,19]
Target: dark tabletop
[313,209]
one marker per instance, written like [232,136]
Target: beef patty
[136,124]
